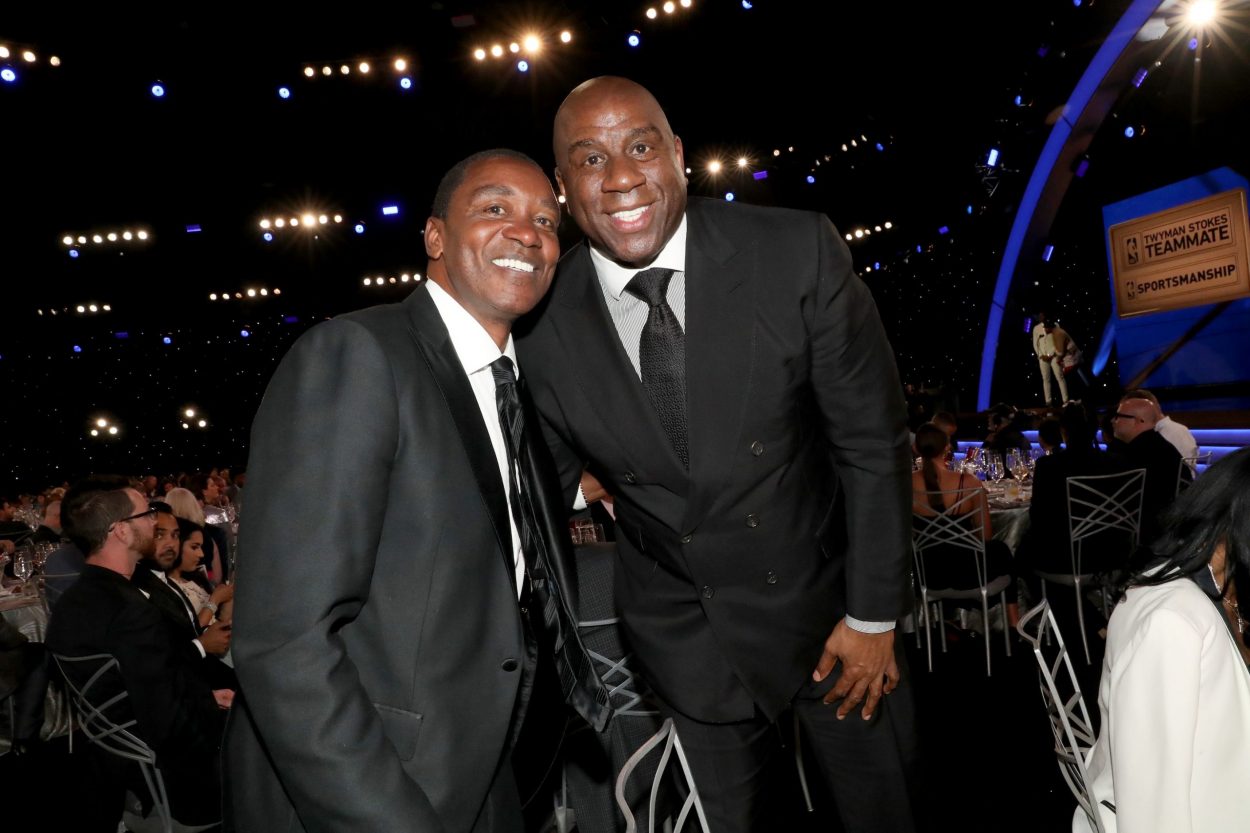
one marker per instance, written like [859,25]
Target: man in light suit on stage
[401,569]
[721,370]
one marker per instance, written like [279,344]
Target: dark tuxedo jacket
[377,636]
[796,507]
[1162,462]
[1046,544]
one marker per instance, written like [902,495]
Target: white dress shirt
[629,314]
[476,350]
[1181,437]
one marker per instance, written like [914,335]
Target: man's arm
[856,385]
[323,445]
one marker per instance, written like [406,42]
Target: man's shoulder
[748,216]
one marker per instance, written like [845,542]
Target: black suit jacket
[1046,545]
[378,678]
[795,510]
[1162,462]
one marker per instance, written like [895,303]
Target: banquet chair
[954,535]
[1196,465]
[667,735]
[1104,510]
[1065,706]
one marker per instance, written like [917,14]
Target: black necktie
[662,357]
[579,684]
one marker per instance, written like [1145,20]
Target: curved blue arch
[1091,99]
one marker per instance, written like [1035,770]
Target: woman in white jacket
[1173,753]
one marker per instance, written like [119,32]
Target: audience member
[1050,434]
[1145,448]
[1172,431]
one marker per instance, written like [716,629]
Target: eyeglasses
[151,510]
[1118,415]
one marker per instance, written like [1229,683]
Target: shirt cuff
[199,646]
[868,627]
[579,502]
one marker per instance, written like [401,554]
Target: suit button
[757,448]
[686,539]
[629,478]
[772,577]
[753,521]
[708,592]
[509,664]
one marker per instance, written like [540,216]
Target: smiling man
[388,646]
[721,370]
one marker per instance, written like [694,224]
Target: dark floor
[987,759]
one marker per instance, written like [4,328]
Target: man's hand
[866,658]
[592,489]
[216,638]
[224,697]
[222,593]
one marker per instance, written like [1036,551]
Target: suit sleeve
[1153,716]
[323,445]
[860,399]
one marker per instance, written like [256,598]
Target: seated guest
[1046,545]
[1145,448]
[179,716]
[11,528]
[1172,431]
[189,507]
[1172,754]
[1050,435]
[210,603]
[947,422]
[951,567]
[49,532]
[1006,429]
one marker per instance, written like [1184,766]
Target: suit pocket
[402,728]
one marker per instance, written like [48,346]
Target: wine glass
[23,566]
[994,466]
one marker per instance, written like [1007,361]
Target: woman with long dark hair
[1173,753]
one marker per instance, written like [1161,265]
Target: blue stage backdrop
[1220,353]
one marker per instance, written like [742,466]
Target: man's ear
[434,229]
[560,184]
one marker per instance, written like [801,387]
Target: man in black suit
[722,371]
[385,663]
[1134,424]
[104,613]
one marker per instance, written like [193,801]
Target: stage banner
[1190,255]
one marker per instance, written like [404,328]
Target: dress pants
[740,769]
[1047,368]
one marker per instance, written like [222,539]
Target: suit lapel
[607,377]
[434,343]
[720,337]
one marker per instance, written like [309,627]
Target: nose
[622,175]
[523,232]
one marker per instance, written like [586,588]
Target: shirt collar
[614,276]
[474,346]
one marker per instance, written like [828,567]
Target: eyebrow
[508,191]
[637,132]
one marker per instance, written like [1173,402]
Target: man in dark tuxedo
[396,580]
[103,612]
[722,372]
[1134,424]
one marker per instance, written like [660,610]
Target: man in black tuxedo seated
[103,612]
[1134,424]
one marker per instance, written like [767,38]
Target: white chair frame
[1097,503]
[960,525]
[1066,712]
[1192,463]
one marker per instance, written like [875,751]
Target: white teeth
[509,263]
[631,215]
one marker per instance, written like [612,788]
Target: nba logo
[1130,250]
[1130,291]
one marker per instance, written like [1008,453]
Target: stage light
[326,71]
[760,175]
[345,69]
[404,278]
[338,218]
[390,210]
[294,222]
[245,333]
[1199,14]
[360,228]
[309,72]
[67,240]
[267,237]
[202,423]
[323,219]
[93,308]
[1139,77]
[129,236]
[364,67]
[405,83]
[685,4]
[992,159]
[560,197]
[514,47]
[532,43]
[496,51]
[748,5]
[1129,132]
[729,196]
[212,296]
[168,340]
[1019,101]
[284,92]
[77,348]
[308,219]
[877,265]
[95,238]
[859,233]
[28,56]
[82,239]
[251,293]
[184,425]
[633,39]
[888,224]
[106,308]
[73,253]
[714,166]
[811,180]
[850,237]
[101,423]
[113,430]
[264,292]
[264,223]
[523,66]
[670,7]
[4,52]
[876,228]
[967,210]
[277,292]
[94,432]
[1047,252]
[566,36]
[112,237]
[279,223]
[8,75]
[143,235]
[944,230]
[158,90]
[479,54]
[743,162]
[400,65]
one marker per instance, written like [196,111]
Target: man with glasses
[104,613]
[1145,448]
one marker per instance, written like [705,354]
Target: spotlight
[73,253]
[309,72]
[4,52]
[390,210]
[1200,13]
[326,71]
[113,430]
[479,54]
[338,218]
[811,180]
[264,292]
[101,423]
[82,239]
[29,57]
[112,237]
[323,219]
[360,228]
[294,221]
[345,69]
[1193,44]
[277,292]
[670,7]
[748,5]
[888,224]
[267,236]
[158,90]
[743,162]
[859,233]
[634,39]
[405,83]
[8,75]
[992,159]
[126,235]
[168,340]
[880,147]
[523,66]
[67,240]
[1129,132]
[245,333]
[80,308]
[729,196]
[251,293]
[106,308]
[212,296]
[202,423]
[264,223]
[184,425]
[496,51]
[190,413]
[714,166]
[143,235]
[94,432]
[652,14]
[77,348]
[308,219]
[532,43]
[284,92]
[566,36]
[93,308]
[364,67]
[685,4]
[400,65]
[514,47]
[279,223]
[95,238]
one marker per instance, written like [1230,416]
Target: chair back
[1065,706]
[667,736]
[1195,465]
[107,723]
[956,527]
[1101,505]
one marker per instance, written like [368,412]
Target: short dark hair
[454,177]
[1051,432]
[1140,393]
[197,484]
[185,528]
[1078,431]
[91,507]
[945,418]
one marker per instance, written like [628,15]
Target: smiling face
[620,168]
[495,250]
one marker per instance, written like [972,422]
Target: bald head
[620,168]
[1133,417]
